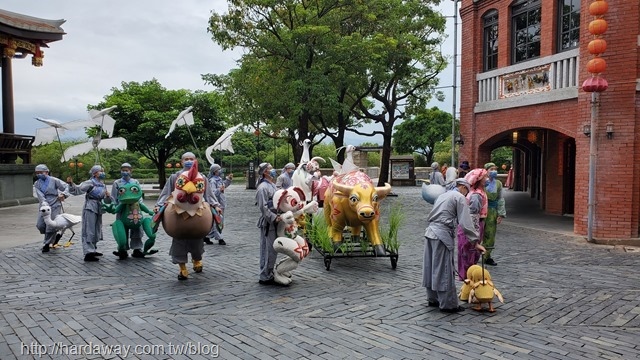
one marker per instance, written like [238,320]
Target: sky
[115,41]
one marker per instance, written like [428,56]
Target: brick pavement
[564,298]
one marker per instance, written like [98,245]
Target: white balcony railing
[547,79]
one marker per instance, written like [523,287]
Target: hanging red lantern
[596,65]
[169,166]
[597,46]
[598,27]
[257,132]
[598,8]
[595,84]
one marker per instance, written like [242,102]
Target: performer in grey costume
[218,184]
[284,181]
[181,247]
[267,222]
[450,209]
[134,236]
[53,191]
[95,192]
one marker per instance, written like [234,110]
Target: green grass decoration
[318,233]
[389,233]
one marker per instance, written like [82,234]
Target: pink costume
[478,203]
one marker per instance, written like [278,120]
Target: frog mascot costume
[130,210]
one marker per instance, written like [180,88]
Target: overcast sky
[108,42]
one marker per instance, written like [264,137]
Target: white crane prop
[62,222]
[52,132]
[104,122]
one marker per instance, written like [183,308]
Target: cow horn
[316,158]
[345,189]
[383,191]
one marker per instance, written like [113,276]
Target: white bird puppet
[104,122]
[223,143]
[308,173]
[348,165]
[62,222]
[55,129]
[184,118]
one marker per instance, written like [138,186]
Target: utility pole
[455,82]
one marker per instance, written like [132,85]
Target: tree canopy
[421,132]
[145,111]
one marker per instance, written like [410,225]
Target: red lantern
[598,26]
[169,166]
[596,65]
[597,46]
[178,165]
[595,84]
[257,132]
[598,8]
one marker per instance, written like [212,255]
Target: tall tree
[421,132]
[145,111]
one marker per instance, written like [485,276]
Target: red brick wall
[618,160]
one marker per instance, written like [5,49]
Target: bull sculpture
[352,200]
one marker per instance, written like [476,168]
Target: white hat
[95,169]
[42,167]
[126,165]
[262,168]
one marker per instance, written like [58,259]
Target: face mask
[493,174]
[125,174]
[273,173]
[290,171]
[187,164]
[101,175]
[41,176]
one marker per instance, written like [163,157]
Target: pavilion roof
[29,27]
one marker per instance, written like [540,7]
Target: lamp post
[455,82]
[75,164]
[257,133]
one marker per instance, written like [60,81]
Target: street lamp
[75,164]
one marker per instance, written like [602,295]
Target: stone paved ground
[564,299]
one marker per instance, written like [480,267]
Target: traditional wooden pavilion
[20,36]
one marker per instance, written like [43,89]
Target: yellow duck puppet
[479,289]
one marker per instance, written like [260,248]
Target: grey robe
[217,183]
[47,191]
[284,181]
[95,192]
[267,226]
[450,210]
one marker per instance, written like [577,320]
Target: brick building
[523,63]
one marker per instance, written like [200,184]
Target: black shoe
[97,254]
[90,257]
[490,261]
[137,253]
[182,277]
[433,303]
[208,241]
[267,282]
[121,254]
[222,242]
[58,237]
[45,248]
[453,311]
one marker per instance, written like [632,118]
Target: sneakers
[208,241]
[222,242]
[137,253]
[490,261]
[45,248]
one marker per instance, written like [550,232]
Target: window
[569,24]
[490,40]
[526,30]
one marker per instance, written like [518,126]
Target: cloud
[115,41]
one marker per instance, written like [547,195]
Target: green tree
[145,111]
[422,132]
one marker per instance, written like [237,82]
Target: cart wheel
[394,261]
[327,263]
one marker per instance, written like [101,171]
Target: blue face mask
[41,176]
[493,174]
[101,175]
[187,164]
[125,174]
[273,173]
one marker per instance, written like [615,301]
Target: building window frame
[490,40]
[526,27]
[570,32]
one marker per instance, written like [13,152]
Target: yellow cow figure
[352,200]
